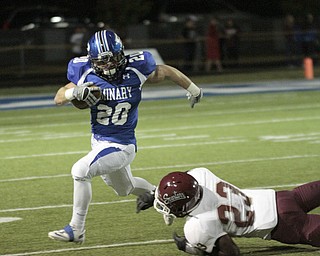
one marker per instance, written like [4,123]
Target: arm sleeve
[76,68]
[147,66]
[204,235]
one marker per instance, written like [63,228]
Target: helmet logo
[105,55]
[175,197]
[118,40]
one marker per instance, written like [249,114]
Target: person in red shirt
[213,52]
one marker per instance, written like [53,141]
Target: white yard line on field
[228,162]
[45,155]
[205,126]
[203,136]
[177,166]
[36,177]
[123,201]
[83,248]
[27,135]
[63,206]
[209,113]
[39,136]
[167,106]
[243,111]
[44,136]
[140,148]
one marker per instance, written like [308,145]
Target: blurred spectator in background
[310,37]
[213,50]
[289,30]
[191,37]
[232,42]
[78,41]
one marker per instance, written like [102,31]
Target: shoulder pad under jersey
[77,67]
[142,61]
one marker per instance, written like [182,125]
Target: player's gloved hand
[145,201]
[84,92]
[180,241]
[183,245]
[194,99]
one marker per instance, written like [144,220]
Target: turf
[256,140]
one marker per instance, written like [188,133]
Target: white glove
[168,219]
[194,99]
[84,92]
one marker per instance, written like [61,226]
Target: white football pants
[111,161]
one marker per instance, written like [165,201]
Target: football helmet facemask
[105,51]
[178,194]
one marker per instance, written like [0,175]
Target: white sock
[141,186]
[82,194]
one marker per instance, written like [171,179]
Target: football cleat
[68,234]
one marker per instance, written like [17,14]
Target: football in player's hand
[82,104]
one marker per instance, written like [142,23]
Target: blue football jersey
[115,118]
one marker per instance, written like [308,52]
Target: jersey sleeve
[76,68]
[143,61]
[151,63]
[203,233]
[205,177]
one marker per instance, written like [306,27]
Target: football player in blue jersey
[114,116]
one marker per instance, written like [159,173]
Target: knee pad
[80,171]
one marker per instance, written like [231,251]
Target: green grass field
[255,140]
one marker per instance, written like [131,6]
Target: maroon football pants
[295,225]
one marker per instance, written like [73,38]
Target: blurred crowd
[193,43]
[222,42]
[222,45]
[301,38]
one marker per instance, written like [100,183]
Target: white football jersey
[226,209]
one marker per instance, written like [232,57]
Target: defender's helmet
[105,51]
[178,194]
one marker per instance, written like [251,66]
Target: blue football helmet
[105,51]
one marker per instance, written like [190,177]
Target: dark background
[44,51]
[139,10]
